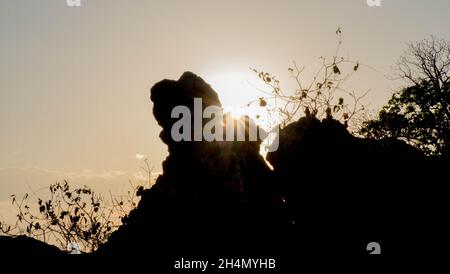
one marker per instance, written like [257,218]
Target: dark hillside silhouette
[343,192]
[25,246]
[329,193]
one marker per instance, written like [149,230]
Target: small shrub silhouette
[72,216]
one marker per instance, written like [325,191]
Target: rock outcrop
[343,192]
[329,192]
[212,198]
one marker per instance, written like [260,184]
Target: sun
[236,90]
[238,112]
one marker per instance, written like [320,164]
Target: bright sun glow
[236,90]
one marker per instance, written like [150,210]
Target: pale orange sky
[74,82]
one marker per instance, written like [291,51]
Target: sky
[75,81]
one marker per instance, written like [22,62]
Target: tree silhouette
[419,113]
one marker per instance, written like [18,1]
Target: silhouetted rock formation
[343,192]
[329,192]
[212,198]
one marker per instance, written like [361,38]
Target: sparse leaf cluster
[323,97]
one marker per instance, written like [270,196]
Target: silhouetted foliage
[70,216]
[325,96]
[420,113]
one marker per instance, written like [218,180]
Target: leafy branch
[323,97]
